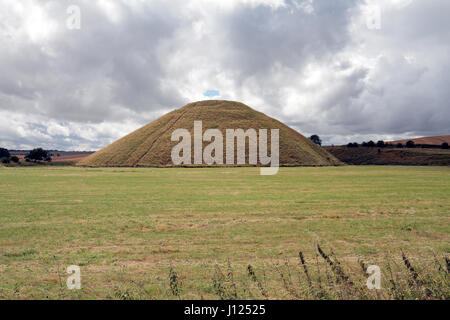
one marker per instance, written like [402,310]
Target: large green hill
[151,145]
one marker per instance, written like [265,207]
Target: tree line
[408,144]
[35,155]
[381,144]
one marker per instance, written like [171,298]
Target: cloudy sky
[348,70]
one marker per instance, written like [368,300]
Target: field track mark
[151,146]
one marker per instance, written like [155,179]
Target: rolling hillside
[436,140]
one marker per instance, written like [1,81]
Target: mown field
[144,233]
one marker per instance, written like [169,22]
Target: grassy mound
[151,145]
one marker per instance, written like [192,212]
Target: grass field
[187,233]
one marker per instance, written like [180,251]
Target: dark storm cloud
[101,72]
[312,64]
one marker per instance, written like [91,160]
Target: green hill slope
[151,145]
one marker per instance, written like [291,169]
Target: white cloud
[55,129]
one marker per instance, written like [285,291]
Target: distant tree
[371,144]
[352,145]
[364,144]
[316,139]
[444,145]
[4,153]
[380,144]
[399,145]
[410,144]
[5,156]
[37,154]
[15,159]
